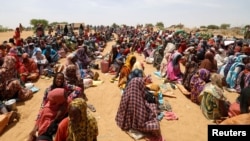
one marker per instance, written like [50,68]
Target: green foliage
[247,26]
[3,29]
[114,25]
[160,25]
[149,25]
[225,26]
[35,22]
[213,27]
[203,26]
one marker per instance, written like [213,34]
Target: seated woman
[242,103]
[80,125]
[71,76]
[51,55]
[243,79]
[191,66]
[28,70]
[135,112]
[173,68]
[167,53]
[209,62]
[234,71]
[72,79]
[214,104]
[59,82]
[40,60]
[125,71]
[10,85]
[117,64]
[50,115]
[197,83]
[84,62]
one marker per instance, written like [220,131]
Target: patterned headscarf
[9,62]
[169,48]
[176,58]
[37,49]
[216,79]
[127,63]
[67,74]
[86,129]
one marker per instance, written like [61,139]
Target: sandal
[91,107]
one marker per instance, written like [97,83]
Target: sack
[149,96]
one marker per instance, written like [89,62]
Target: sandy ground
[191,125]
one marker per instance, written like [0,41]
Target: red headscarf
[56,101]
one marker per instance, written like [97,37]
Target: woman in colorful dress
[80,125]
[214,104]
[197,83]
[125,71]
[10,85]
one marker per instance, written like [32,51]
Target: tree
[212,27]
[160,25]
[179,26]
[35,22]
[203,26]
[149,25]
[114,25]
[225,26]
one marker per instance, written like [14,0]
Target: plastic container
[104,66]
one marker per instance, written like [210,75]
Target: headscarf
[237,49]
[68,69]
[25,56]
[83,58]
[211,96]
[135,73]
[9,62]
[37,49]
[209,55]
[56,99]
[13,51]
[216,79]
[169,48]
[176,58]
[232,73]
[127,62]
[197,83]
[86,129]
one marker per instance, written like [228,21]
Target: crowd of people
[211,66]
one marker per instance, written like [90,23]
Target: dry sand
[191,125]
